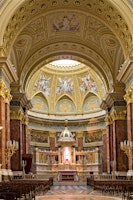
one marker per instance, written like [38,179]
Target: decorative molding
[116,97]
[102,9]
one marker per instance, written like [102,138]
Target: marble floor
[74,193]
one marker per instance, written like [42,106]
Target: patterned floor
[74,193]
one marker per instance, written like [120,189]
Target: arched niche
[91,103]
[39,103]
[65,106]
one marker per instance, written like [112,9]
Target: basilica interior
[66,89]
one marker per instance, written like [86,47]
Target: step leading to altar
[68,177]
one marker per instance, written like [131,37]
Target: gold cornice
[129,96]
[5,93]
[52,134]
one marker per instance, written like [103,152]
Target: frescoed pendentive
[42,85]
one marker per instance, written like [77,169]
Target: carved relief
[39,137]
[93,137]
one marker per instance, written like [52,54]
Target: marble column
[28,139]
[16,134]
[119,159]
[52,136]
[5,98]
[80,141]
[116,123]
[2,134]
[129,100]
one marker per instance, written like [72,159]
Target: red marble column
[28,139]
[119,134]
[23,139]
[130,129]
[109,141]
[16,134]
[80,141]
[52,140]
[7,128]
[2,132]
[104,152]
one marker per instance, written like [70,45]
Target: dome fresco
[56,91]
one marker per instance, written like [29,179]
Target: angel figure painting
[65,85]
[88,84]
[43,85]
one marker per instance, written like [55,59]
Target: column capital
[28,131]
[52,134]
[80,134]
[129,95]
[118,114]
[25,119]
[16,114]
[5,92]
[108,119]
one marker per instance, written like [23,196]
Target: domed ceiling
[40,33]
[66,87]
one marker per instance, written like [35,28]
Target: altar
[67,175]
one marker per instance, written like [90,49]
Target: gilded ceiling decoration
[101,9]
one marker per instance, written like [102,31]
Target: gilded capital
[118,115]
[28,131]
[80,134]
[104,131]
[25,119]
[52,134]
[108,120]
[129,96]
[5,92]
[16,114]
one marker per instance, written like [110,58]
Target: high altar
[66,163]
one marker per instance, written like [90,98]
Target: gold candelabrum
[11,147]
[127,147]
